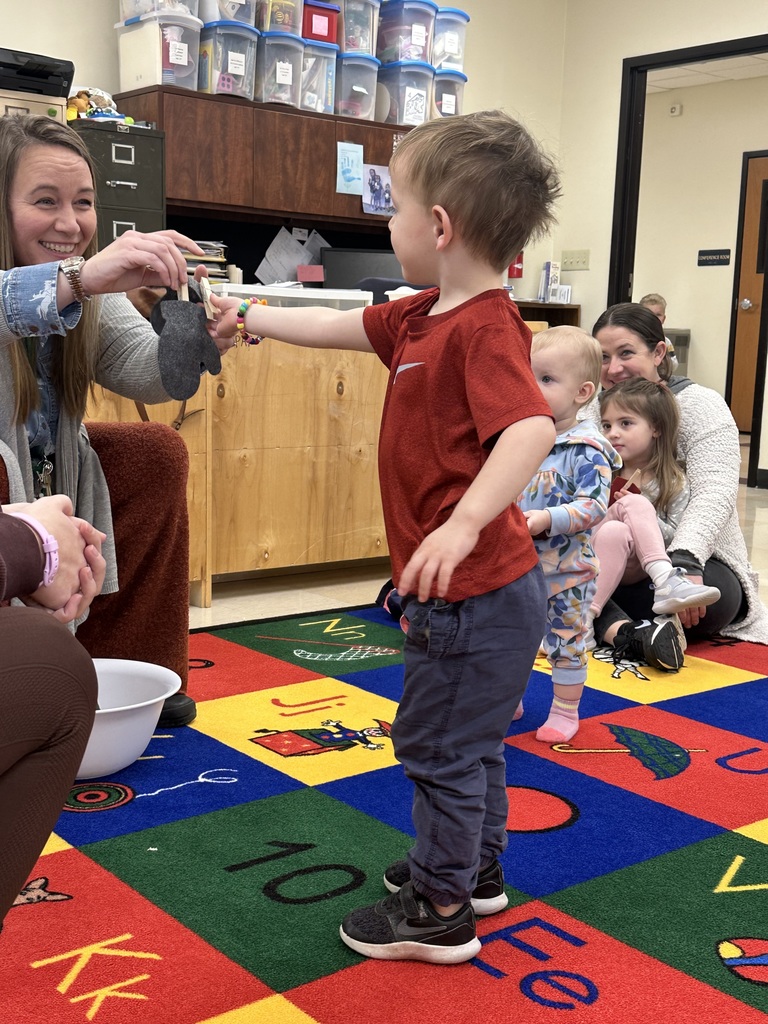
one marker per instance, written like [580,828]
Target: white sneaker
[677,592]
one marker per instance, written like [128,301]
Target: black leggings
[635,601]
[47,705]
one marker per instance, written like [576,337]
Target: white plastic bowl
[131,695]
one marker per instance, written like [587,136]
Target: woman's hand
[136,259]
[82,568]
[690,617]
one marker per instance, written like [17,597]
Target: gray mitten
[186,348]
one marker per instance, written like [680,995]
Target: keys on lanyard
[43,472]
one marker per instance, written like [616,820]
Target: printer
[33,84]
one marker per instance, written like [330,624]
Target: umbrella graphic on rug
[661,756]
[746,958]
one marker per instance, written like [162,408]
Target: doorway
[626,195]
[748,290]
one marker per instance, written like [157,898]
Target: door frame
[627,191]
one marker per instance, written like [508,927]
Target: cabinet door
[295,162]
[377,146]
[209,147]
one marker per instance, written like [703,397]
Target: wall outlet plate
[574,259]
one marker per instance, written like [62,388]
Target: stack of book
[215,259]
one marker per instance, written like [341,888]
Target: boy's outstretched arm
[517,454]
[310,326]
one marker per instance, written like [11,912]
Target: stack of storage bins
[357,66]
[280,52]
[318,77]
[158,43]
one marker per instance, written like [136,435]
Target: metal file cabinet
[130,176]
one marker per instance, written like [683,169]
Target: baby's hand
[539,521]
[226,325]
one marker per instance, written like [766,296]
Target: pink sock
[563,722]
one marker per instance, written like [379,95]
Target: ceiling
[708,72]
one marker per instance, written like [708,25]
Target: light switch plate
[574,259]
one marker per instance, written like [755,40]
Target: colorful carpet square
[205,883]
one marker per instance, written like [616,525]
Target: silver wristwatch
[70,268]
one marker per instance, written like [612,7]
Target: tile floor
[344,587]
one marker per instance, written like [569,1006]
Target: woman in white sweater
[708,542]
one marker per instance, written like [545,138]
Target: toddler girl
[640,418]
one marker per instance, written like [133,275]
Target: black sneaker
[488,896]
[178,709]
[405,927]
[660,643]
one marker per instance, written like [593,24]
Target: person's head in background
[46,214]
[656,303]
[566,363]
[633,344]
[481,178]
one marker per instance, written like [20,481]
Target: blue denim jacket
[29,302]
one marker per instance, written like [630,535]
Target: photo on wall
[377,190]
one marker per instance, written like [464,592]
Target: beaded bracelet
[242,336]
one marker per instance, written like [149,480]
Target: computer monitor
[343,268]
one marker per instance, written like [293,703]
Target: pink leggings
[626,541]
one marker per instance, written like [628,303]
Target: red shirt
[456,381]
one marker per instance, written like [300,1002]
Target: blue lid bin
[448,93]
[450,39]
[318,76]
[406,30]
[228,59]
[356,85]
[279,59]
[404,92]
[359,26]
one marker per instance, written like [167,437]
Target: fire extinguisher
[516,266]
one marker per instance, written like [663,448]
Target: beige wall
[77,30]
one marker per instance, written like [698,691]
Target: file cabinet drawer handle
[116,184]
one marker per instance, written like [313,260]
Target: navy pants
[466,668]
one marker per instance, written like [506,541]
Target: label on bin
[451,42]
[419,35]
[284,72]
[320,24]
[449,103]
[415,106]
[178,53]
[236,63]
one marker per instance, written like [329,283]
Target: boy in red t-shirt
[464,428]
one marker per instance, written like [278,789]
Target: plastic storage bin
[404,92]
[279,58]
[448,93]
[406,29]
[450,39]
[356,85]
[228,59]
[320,21]
[279,16]
[359,26]
[159,49]
[318,77]
[135,8]
[227,10]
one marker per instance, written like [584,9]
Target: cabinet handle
[220,391]
[115,184]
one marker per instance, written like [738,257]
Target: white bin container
[159,49]
[356,85]
[135,8]
[228,59]
[228,10]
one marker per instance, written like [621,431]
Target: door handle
[746,304]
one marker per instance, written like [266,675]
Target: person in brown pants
[47,679]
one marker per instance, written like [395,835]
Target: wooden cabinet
[556,314]
[283,460]
[255,160]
